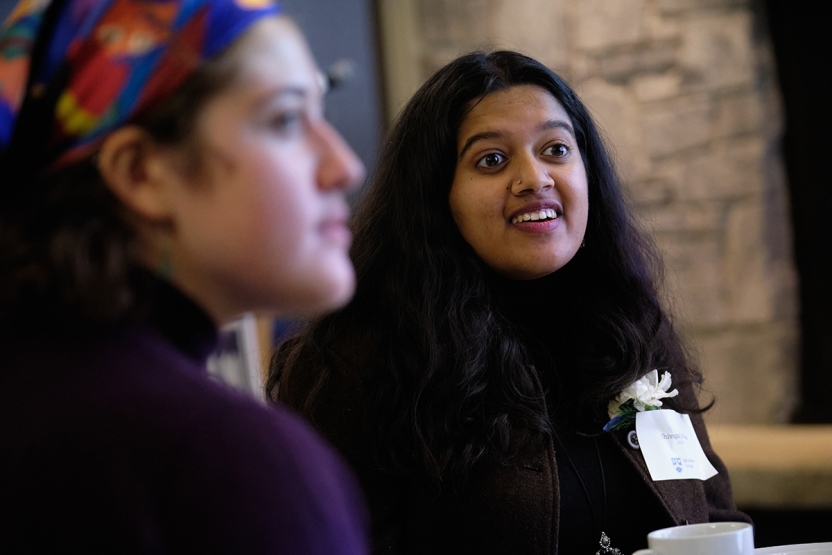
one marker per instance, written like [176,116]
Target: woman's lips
[537,217]
[538,226]
[336,231]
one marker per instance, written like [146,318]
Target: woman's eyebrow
[289,90]
[479,137]
[557,124]
[545,126]
[277,93]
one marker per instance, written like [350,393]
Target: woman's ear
[138,171]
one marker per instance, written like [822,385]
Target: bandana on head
[111,59]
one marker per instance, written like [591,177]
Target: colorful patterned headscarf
[96,64]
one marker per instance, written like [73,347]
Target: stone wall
[685,92]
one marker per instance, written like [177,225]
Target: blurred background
[718,112]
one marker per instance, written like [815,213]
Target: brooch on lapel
[644,394]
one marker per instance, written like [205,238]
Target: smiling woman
[504,300]
[519,195]
[166,166]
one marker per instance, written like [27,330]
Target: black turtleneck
[599,488]
[174,315]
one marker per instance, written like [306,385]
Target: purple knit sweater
[117,441]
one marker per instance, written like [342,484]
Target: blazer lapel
[684,500]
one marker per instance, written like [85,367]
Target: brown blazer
[503,510]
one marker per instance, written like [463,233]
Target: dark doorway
[803,51]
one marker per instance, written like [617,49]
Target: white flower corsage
[643,394]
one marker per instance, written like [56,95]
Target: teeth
[545,214]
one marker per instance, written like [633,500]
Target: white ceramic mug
[712,538]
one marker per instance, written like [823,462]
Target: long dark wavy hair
[449,378]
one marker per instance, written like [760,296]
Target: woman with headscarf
[164,167]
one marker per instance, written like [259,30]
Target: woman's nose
[340,167]
[532,176]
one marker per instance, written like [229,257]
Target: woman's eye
[285,121]
[491,160]
[557,150]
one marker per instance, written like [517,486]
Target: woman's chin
[339,296]
[330,290]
